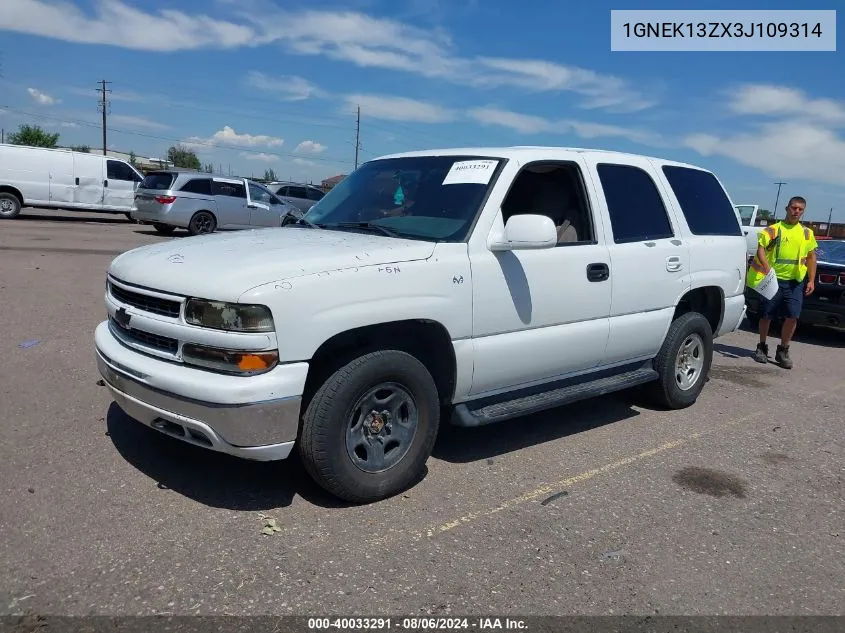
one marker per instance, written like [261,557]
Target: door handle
[598,272]
[105,183]
[77,180]
[673,264]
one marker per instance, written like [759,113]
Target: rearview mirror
[528,231]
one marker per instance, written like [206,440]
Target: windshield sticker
[476,172]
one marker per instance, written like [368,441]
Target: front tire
[370,428]
[202,222]
[683,363]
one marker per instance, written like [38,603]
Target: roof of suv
[530,152]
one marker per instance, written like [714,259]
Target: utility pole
[777,198]
[103,106]
[829,218]
[357,136]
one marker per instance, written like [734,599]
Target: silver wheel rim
[689,362]
[381,427]
[6,206]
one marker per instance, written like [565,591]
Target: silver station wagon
[204,203]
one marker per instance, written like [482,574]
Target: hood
[223,266]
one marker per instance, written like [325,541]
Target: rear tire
[164,229]
[10,206]
[683,362]
[360,457]
[201,223]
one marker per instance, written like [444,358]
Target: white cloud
[399,109]
[287,88]
[303,162]
[261,156]
[69,124]
[136,121]
[782,101]
[310,147]
[531,124]
[42,98]
[787,149]
[113,22]
[347,36]
[228,136]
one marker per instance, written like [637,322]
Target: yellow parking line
[589,474]
[556,486]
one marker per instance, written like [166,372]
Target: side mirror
[529,231]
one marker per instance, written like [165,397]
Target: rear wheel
[683,362]
[202,222]
[371,426]
[10,206]
[164,229]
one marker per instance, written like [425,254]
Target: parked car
[492,283]
[204,203]
[50,178]
[826,306]
[302,196]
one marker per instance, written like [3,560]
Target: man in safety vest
[789,248]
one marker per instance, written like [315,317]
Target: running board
[488,411]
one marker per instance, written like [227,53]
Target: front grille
[163,307]
[156,341]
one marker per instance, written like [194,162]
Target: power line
[104,106]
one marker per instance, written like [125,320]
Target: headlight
[234,317]
[229,361]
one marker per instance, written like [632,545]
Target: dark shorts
[786,303]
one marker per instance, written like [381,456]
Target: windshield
[745,213]
[418,197]
[832,251]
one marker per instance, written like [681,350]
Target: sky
[257,84]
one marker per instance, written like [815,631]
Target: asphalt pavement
[733,506]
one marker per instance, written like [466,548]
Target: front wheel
[683,362]
[370,428]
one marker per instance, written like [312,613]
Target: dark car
[826,306]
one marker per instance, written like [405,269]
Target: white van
[63,179]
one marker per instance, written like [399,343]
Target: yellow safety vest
[788,259]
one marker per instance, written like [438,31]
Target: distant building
[142,163]
[328,183]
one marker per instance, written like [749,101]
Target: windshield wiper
[361,225]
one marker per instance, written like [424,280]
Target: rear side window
[315,194]
[637,212]
[705,205]
[230,189]
[157,180]
[198,185]
[297,192]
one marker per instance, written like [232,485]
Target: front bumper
[254,417]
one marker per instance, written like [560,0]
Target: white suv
[485,283]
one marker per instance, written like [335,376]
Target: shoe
[782,357]
[761,354]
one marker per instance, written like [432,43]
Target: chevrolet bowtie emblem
[122,317]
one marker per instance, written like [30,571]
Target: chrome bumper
[261,431]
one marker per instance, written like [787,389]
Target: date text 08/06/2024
[416,624]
